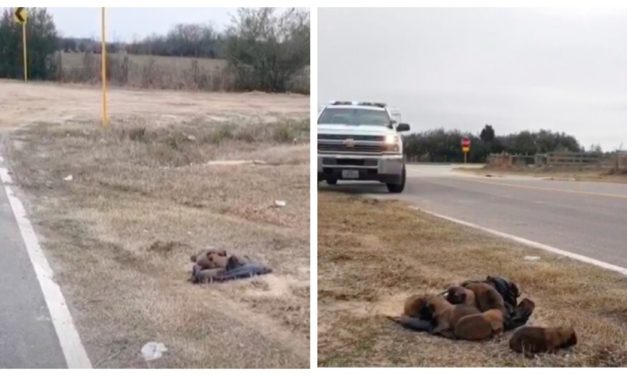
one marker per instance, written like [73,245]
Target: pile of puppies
[478,310]
[214,265]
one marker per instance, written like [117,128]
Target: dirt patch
[373,254]
[143,198]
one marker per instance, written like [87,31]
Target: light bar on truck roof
[357,103]
[341,103]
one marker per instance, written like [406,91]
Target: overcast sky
[125,24]
[517,69]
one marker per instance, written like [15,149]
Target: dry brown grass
[595,175]
[147,71]
[373,254]
[143,198]
[159,72]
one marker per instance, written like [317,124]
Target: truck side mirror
[402,127]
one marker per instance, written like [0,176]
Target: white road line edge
[71,345]
[530,243]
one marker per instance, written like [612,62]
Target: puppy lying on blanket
[460,321]
[492,293]
[215,266]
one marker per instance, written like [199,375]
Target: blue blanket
[244,271]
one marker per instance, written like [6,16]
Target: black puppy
[508,290]
[516,314]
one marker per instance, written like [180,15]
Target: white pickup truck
[360,141]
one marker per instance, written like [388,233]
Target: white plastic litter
[532,258]
[153,350]
[68,178]
[280,203]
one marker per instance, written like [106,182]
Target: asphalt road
[27,336]
[587,218]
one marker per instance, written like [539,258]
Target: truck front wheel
[397,188]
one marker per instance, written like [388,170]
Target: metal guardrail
[615,160]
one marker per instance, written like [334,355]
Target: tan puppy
[447,315]
[495,318]
[486,296]
[460,295]
[532,339]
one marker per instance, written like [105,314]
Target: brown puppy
[210,259]
[473,327]
[533,339]
[447,315]
[486,296]
[525,307]
[480,326]
[415,304]
[460,295]
[204,252]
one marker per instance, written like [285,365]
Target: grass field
[373,254]
[151,190]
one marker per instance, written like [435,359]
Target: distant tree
[596,148]
[265,50]
[487,134]
[441,145]
[524,143]
[192,40]
[68,44]
[42,42]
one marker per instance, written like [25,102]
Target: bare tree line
[264,50]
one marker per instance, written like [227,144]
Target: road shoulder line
[69,339]
[528,242]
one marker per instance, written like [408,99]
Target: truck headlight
[392,143]
[391,139]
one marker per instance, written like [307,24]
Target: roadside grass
[595,175]
[141,199]
[372,254]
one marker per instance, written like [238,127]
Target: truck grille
[342,148]
[352,144]
[342,137]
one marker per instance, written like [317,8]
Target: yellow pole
[103,64]
[24,48]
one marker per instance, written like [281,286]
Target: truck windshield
[354,116]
